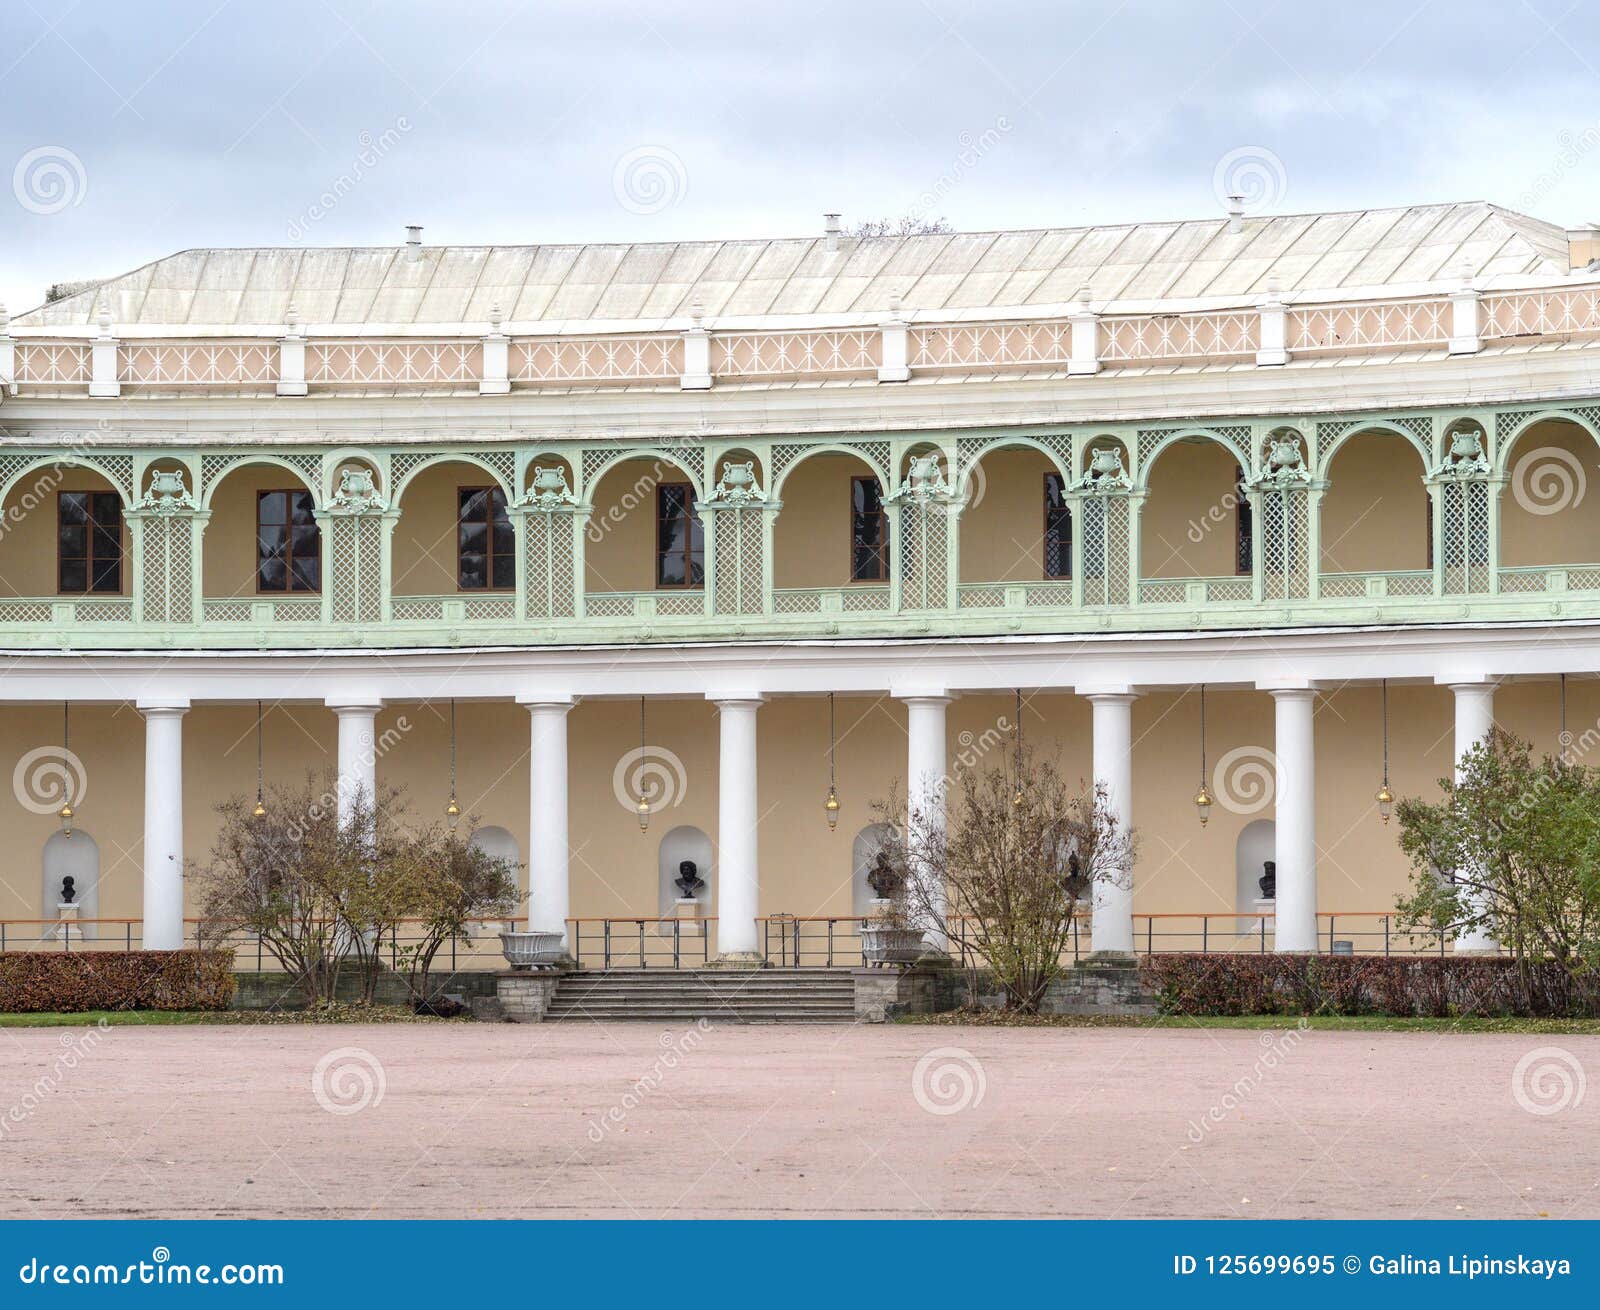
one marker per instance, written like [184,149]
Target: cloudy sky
[133,130]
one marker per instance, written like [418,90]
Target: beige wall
[424,544]
[1555,466]
[28,531]
[805,868]
[228,548]
[1187,529]
[811,536]
[620,549]
[1375,512]
[1002,530]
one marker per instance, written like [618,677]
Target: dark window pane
[271,575]
[474,504]
[471,574]
[473,538]
[273,507]
[306,540]
[74,575]
[106,543]
[108,575]
[72,539]
[304,508]
[697,571]
[270,540]
[107,511]
[505,573]
[669,570]
[305,574]
[73,507]
[497,504]
[504,539]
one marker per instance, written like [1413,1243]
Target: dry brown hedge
[69,982]
[1400,986]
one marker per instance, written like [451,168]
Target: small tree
[1512,848]
[907,225]
[1017,859]
[283,878]
[444,882]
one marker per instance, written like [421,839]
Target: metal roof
[1145,262]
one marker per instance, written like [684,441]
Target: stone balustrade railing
[1078,341]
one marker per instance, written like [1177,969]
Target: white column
[738,871]
[358,751]
[1295,784]
[1113,769]
[926,778]
[549,887]
[1474,718]
[163,823]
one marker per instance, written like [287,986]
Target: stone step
[685,995]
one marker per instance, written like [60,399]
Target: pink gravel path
[513,1121]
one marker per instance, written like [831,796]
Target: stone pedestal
[69,931]
[524,997]
[690,915]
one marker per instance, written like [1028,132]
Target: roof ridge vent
[413,240]
[1235,214]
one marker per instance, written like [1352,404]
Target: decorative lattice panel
[1285,543]
[737,586]
[1150,440]
[551,564]
[1105,550]
[1328,435]
[924,554]
[214,467]
[356,556]
[167,556]
[876,453]
[1465,512]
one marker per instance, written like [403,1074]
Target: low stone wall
[277,991]
[884,994]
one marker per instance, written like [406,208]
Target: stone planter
[531,950]
[880,945]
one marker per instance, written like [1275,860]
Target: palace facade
[1293,506]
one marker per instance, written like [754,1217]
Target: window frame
[89,591]
[491,490]
[287,591]
[1065,508]
[882,546]
[688,551]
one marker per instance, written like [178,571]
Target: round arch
[813,540]
[1193,521]
[834,448]
[1423,449]
[71,460]
[1505,445]
[258,460]
[335,460]
[447,457]
[1009,443]
[1147,463]
[593,480]
[1549,504]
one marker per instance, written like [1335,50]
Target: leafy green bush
[69,982]
[1400,986]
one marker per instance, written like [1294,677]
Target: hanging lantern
[1203,803]
[643,807]
[1385,797]
[65,812]
[260,811]
[452,809]
[1203,800]
[830,807]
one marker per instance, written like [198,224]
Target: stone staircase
[721,995]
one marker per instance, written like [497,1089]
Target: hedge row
[70,982]
[1427,986]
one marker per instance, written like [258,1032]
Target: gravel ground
[619,1120]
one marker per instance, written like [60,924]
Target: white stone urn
[882,944]
[531,950]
